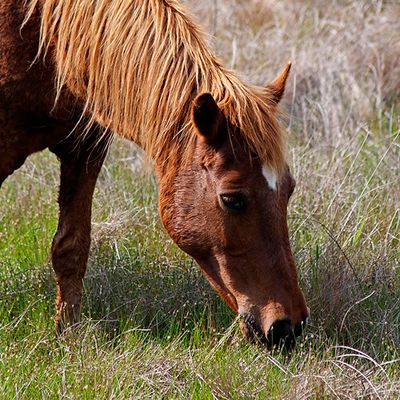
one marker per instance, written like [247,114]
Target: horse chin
[251,330]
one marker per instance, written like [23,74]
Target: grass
[151,326]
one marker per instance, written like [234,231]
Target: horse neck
[171,160]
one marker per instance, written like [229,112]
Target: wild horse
[71,72]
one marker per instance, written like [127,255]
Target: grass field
[151,325]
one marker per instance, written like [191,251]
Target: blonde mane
[138,65]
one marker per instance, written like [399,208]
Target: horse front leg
[70,248]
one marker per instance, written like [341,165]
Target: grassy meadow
[152,328]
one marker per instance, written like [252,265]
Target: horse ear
[206,117]
[277,86]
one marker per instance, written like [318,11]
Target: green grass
[152,327]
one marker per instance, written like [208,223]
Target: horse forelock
[138,66]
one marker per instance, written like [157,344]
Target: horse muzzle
[281,334]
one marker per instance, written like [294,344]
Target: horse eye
[234,201]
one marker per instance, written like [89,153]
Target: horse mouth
[281,334]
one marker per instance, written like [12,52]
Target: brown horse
[73,71]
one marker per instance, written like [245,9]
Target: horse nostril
[281,333]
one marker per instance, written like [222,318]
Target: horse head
[228,210]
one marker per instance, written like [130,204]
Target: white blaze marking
[270,176]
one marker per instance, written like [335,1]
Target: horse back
[29,122]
